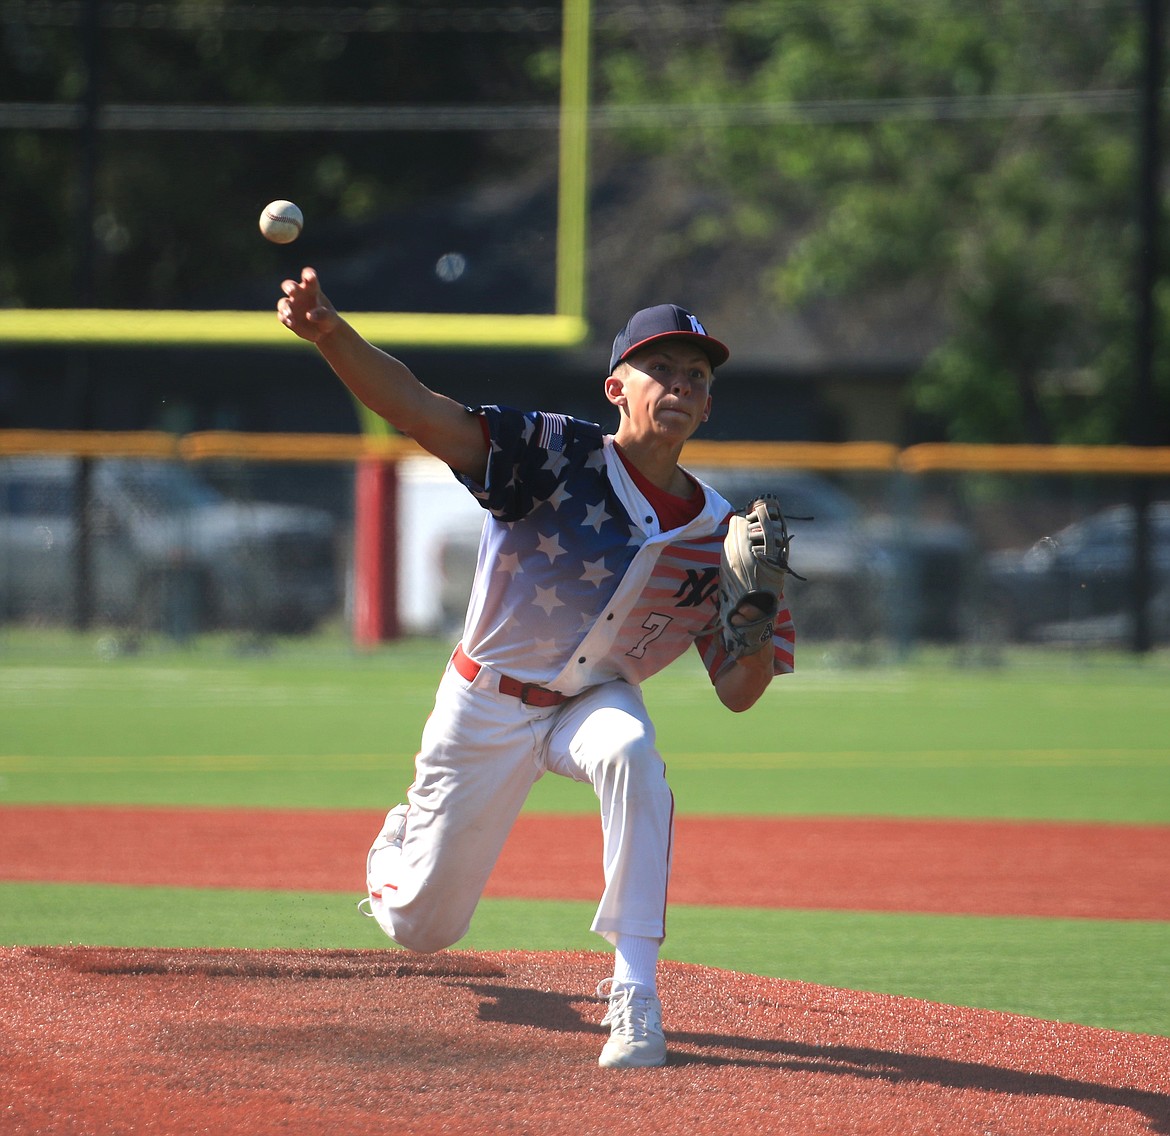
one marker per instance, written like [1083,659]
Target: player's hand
[305,310]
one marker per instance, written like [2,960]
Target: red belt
[528,692]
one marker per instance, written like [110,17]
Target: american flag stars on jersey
[563,540]
[575,585]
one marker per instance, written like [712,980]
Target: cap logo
[696,327]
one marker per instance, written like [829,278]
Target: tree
[977,159]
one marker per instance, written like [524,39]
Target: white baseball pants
[482,751]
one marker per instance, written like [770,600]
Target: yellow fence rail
[959,458]
[206,445]
[823,456]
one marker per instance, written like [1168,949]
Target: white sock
[636,961]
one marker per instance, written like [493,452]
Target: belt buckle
[526,688]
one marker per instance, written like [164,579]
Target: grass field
[315,724]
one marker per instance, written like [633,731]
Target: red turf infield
[104,1040]
[961,867]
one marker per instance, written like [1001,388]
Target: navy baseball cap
[665,321]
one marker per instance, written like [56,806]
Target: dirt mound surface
[119,1040]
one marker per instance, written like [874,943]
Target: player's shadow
[894,1067]
[517,1005]
[557,1011]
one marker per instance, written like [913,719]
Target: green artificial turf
[335,729]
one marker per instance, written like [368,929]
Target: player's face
[663,390]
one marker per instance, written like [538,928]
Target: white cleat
[391,836]
[634,1017]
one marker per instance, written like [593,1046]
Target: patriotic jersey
[575,583]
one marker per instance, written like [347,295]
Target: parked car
[1079,581]
[167,550]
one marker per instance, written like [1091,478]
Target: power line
[923,108]
[663,16]
[285,18]
[281,119]
[361,119]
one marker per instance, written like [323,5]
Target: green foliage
[942,153]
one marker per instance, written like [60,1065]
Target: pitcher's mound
[101,1040]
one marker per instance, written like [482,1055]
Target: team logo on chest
[697,586]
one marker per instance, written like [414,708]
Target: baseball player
[599,564]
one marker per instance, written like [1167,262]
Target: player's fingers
[292,314]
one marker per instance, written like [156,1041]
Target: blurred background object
[914,224]
[169,554]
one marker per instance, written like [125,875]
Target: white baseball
[281,222]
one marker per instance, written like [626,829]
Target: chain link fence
[975,558]
[151,546]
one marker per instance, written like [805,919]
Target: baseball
[281,222]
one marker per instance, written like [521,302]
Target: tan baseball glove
[751,576]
